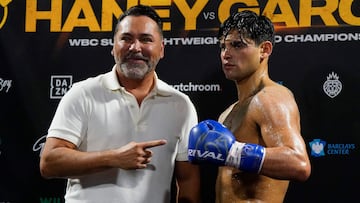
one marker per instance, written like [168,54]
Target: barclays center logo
[317,147]
[321,148]
[4,11]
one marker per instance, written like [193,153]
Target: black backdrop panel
[316,56]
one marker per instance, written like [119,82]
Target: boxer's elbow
[303,171]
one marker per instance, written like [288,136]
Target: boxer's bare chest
[241,122]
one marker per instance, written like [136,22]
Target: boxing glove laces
[211,142]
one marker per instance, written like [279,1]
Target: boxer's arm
[279,122]
[188,182]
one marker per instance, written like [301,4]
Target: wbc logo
[332,86]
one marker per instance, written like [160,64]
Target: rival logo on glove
[209,141]
[205,154]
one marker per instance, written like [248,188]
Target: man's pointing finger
[153,143]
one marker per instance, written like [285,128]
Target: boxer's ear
[265,49]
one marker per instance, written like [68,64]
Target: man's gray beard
[134,71]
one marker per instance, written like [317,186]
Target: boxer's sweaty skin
[243,120]
[265,113]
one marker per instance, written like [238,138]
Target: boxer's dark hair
[250,25]
[141,10]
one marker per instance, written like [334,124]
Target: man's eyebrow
[146,35]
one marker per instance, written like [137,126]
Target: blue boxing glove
[211,142]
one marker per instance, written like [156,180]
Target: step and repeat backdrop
[47,45]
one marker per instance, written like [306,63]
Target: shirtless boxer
[259,147]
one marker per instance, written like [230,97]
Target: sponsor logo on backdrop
[50,200]
[4,11]
[59,85]
[321,148]
[332,86]
[317,147]
[39,144]
[191,87]
[5,85]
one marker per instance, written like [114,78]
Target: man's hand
[135,155]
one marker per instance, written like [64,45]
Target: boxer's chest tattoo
[236,116]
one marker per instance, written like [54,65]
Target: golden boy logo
[332,86]
[3,11]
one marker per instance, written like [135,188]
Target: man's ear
[266,49]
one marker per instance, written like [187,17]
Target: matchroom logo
[4,11]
